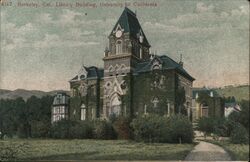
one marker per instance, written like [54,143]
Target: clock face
[118,34]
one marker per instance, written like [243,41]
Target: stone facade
[132,81]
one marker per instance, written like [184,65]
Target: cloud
[174,29]
[68,17]
[88,33]
[53,40]
[44,18]
[242,10]
[15,37]
[201,7]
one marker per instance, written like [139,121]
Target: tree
[180,100]
[244,114]
[10,111]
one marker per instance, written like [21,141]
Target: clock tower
[128,46]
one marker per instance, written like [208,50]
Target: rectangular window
[83,114]
[62,110]
[140,53]
[118,47]
[93,113]
[168,108]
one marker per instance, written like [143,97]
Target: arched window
[115,105]
[119,47]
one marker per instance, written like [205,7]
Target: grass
[48,149]
[236,151]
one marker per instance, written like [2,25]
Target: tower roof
[130,24]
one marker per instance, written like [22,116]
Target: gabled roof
[166,62]
[130,24]
[92,72]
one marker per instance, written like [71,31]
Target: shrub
[155,128]
[61,129]
[103,130]
[205,125]
[40,129]
[239,134]
[72,129]
[148,128]
[181,129]
[81,130]
[122,128]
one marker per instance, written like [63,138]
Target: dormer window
[140,36]
[119,47]
[156,65]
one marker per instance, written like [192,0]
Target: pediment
[83,73]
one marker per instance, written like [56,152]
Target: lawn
[237,151]
[48,149]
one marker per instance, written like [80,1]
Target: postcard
[114,80]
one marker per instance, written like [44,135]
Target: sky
[43,47]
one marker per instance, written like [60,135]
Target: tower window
[118,47]
[140,53]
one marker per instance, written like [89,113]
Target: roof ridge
[170,59]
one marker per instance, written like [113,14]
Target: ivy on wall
[215,104]
[91,101]
[153,91]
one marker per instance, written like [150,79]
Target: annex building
[132,81]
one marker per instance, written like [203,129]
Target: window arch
[119,47]
[123,67]
[111,69]
[117,68]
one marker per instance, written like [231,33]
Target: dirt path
[205,151]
